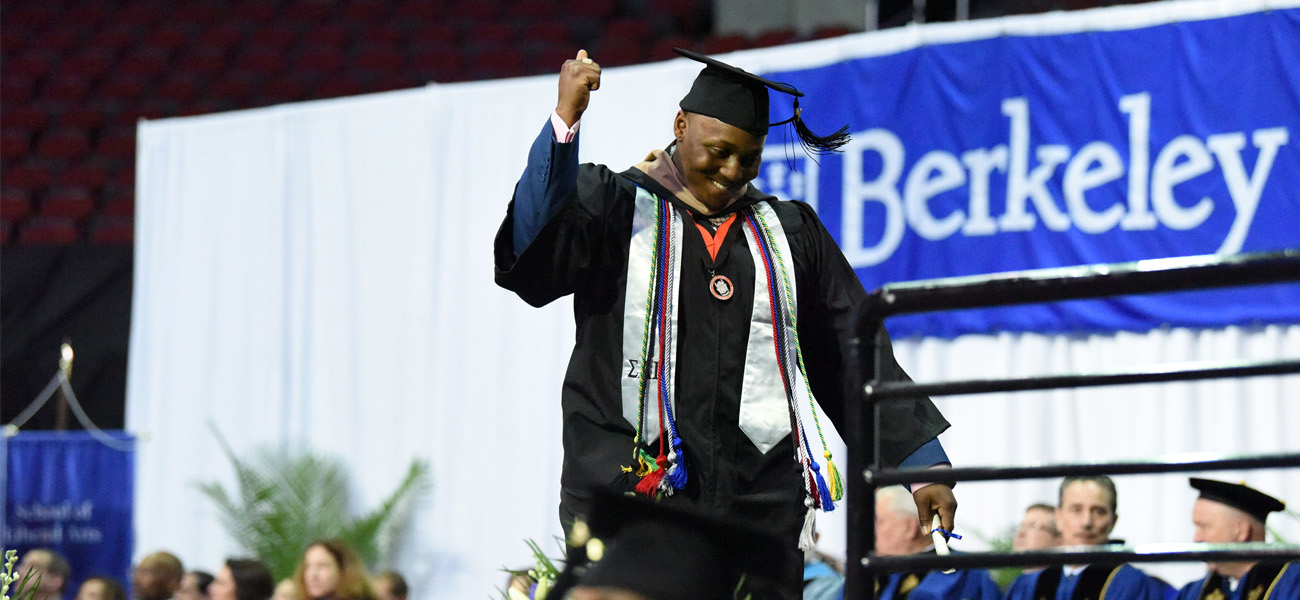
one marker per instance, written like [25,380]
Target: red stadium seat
[112,230]
[365,11]
[122,88]
[261,59]
[31,116]
[277,35]
[144,63]
[90,175]
[44,231]
[15,143]
[332,34]
[116,37]
[438,34]
[831,31]
[118,142]
[66,88]
[308,12]
[119,204]
[317,59]
[15,204]
[67,202]
[89,116]
[776,38]
[90,63]
[207,61]
[722,44]
[63,143]
[378,57]
[16,88]
[236,86]
[31,174]
[169,36]
[663,47]
[418,11]
[599,9]
[628,29]
[251,11]
[182,87]
[336,87]
[498,62]
[617,51]
[223,34]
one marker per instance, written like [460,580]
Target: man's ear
[679,125]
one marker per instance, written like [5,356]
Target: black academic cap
[739,98]
[667,553]
[1248,500]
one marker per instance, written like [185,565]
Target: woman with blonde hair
[331,570]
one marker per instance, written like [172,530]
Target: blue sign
[1029,152]
[68,492]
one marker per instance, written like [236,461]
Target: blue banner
[69,492]
[1028,152]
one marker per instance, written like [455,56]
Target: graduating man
[709,314]
[897,535]
[1085,516]
[1229,512]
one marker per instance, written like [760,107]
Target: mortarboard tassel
[644,462]
[806,535]
[835,480]
[650,482]
[676,476]
[824,494]
[817,144]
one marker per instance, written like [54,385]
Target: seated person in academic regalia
[1226,513]
[1085,516]
[631,548]
[897,535]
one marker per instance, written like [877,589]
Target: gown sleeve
[546,241]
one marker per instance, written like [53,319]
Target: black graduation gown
[583,250]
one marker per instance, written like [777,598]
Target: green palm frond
[287,496]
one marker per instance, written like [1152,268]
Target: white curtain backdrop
[322,272]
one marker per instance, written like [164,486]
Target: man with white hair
[898,535]
[51,567]
[1227,513]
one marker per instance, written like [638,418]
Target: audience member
[243,579]
[823,575]
[287,589]
[157,577]
[1037,529]
[101,588]
[332,569]
[1228,512]
[389,585]
[1085,515]
[898,535]
[194,586]
[53,569]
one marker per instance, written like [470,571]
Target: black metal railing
[866,393]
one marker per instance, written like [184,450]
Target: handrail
[1027,287]
[1171,464]
[1077,555]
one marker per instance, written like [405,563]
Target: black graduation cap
[666,553]
[1246,499]
[739,98]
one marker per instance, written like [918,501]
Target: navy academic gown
[582,250]
[1122,583]
[963,584]
[1265,581]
